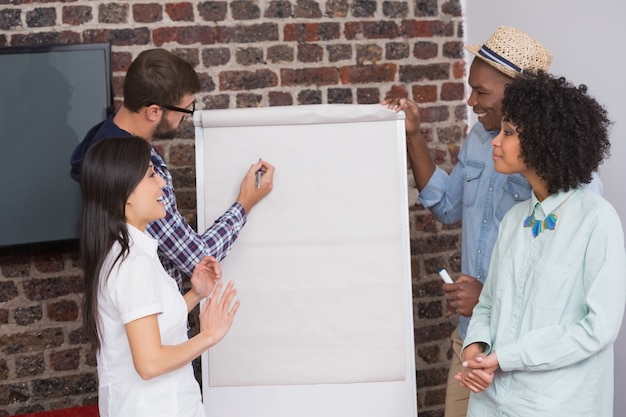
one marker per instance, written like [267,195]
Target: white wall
[586,39]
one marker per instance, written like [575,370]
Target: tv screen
[49,98]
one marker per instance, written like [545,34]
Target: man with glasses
[159,92]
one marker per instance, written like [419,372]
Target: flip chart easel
[322,267]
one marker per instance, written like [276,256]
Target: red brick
[425,222]
[425,50]
[60,387]
[307,9]
[368,95]
[48,288]
[280,53]
[25,316]
[213,11]
[424,93]
[308,52]
[30,365]
[215,56]
[136,36]
[310,97]
[247,80]
[219,101]
[458,69]
[64,310]
[364,8]
[180,11]
[311,32]
[358,74]
[247,33]
[244,100]
[337,8]
[395,9]
[113,13]
[429,354]
[452,91]
[249,56]
[76,15]
[414,73]
[371,30]
[120,61]
[368,54]
[279,98]
[430,310]
[416,29]
[309,76]
[45,38]
[184,177]
[453,49]
[8,291]
[278,9]
[182,155]
[339,52]
[31,341]
[147,13]
[49,264]
[41,17]
[65,360]
[339,96]
[396,50]
[10,18]
[452,7]
[434,114]
[244,10]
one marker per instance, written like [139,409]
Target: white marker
[445,276]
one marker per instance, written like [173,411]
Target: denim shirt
[479,196]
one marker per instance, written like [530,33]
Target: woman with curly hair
[540,342]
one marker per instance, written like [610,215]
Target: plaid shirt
[180,247]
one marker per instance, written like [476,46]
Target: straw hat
[512,51]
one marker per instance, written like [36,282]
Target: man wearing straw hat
[474,192]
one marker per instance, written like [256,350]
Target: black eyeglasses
[178,109]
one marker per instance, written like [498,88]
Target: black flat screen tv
[49,98]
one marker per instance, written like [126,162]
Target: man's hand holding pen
[257,183]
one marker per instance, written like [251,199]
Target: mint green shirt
[551,309]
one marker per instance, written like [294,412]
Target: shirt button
[485,221]
[479,251]
[516,195]
[490,189]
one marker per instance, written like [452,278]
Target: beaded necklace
[549,223]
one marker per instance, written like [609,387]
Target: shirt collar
[543,208]
[157,159]
[144,241]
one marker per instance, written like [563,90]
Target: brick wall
[248,53]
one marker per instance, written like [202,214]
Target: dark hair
[157,76]
[110,172]
[563,131]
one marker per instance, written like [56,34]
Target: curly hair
[563,132]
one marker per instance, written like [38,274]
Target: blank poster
[322,265]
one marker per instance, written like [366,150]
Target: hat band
[493,56]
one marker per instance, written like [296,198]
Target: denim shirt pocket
[516,189]
[473,171]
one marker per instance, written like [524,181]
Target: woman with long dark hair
[134,314]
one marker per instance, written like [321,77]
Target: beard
[164,130]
